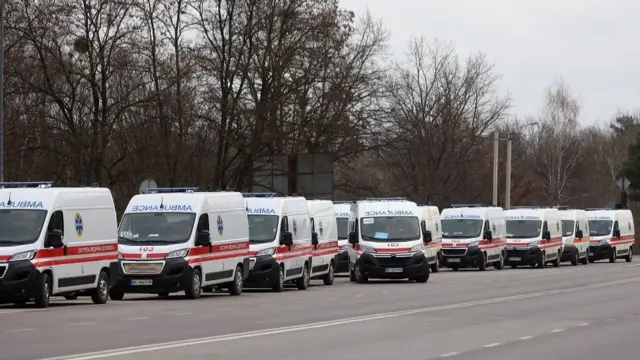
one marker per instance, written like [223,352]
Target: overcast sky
[593,44]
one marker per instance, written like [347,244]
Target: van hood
[390,247]
[149,252]
[522,242]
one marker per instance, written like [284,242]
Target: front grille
[453,252]
[3,269]
[143,268]
[394,261]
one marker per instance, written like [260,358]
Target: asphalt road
[584,312]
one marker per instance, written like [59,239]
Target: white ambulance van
[56,241]
[575,236]
[386,241]
[473,236]
[280,237]
[612,234]
[342,208]
[534,236]
[324,238]
[178,239]
[430,220]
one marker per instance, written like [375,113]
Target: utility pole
[2,90]
[496,145]
[507,184]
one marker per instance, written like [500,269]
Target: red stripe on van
[74,260]
[195,251]
[76,250]
[5,257]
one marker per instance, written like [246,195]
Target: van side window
[203,222]
[56,222]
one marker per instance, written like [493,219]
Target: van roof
[532,212]
[184,201]
[321,207]
[46,197]
[607,213]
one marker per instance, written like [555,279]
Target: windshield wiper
[8,242]
[160,241]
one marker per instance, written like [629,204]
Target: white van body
[612,234]
[386,241]
[56,241]
[342,209]
[324,238]
[534,236]
[575,236]
[179,239]
[430,215]
[272,220]
[473,236]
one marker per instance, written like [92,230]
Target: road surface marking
[358,295]
[332,298]
[21,330]
[450,354]
[181,314]
[633,265]
[137,318]
[492,345]
[526,337]
[557,330]
[83,323]
[126,351]
[584,324]
[227,309]
[266,305]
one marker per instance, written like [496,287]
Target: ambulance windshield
[262,228]
[154,228]
[600,227]
[390,228]
[567,227]
[461,228]
[19,227]
[522,229]
[343,227]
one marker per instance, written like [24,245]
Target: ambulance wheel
[163,294]
[423,278]
[303,282]
[278,282]
[585,260]
[71,297]
[556,262]
[235,287]
[629,257]
[352,274]
[20,303]
[435,267]
[482,266]
[194,288]
[327,279]
[514,266]
[43,291]
[612,255]
[361,278]
[455,268]
[100,295]
[499,265]
[592,260]
[576,259]
[542,260]
[116,295]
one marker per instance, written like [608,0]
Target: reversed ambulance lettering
[160,207]
[22,204]
[389,213]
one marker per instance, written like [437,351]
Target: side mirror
[488,235]
[426,236]
[204,238]
[314,238]
[353,238]
[286,238]
[54,239]
[579,234]
[546,235]
[616,233]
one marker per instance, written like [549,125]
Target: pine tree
[631,169]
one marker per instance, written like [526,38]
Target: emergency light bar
[525,207]
[258,194]
[172,190]
[596,209]
[465,205]
[387,199]
[343,202]
[39,184]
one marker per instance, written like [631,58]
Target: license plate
[145,282]
[452,260]
[514,258]
[393,270]
[251,264]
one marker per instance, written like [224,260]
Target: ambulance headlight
[416,248]
[27,255]
[604,241]
[120,256]
[267,251]
[367,249]
[177,254]
[344,247]
[474,243]
[534,243]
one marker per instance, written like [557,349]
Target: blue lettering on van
[22,204]
[342,215]
[389,213]
[156,208]
[261,211]
[522,217]
[466,216]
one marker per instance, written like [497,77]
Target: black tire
[163,294]
[71,297]
[116,295]
[235,287]
[592,260]
[612,256]
[352,275]
[303,282]
[361,278]
[278,282]
[482,266]
[42,293]
[576,259]
[556,262]
[514,266]
[100,295]
[585,259]
[455,268]
[542,260]
[328,278]
[435,267]
[629,256]
[424,278]
[20,303]
[194,288]
[499,265]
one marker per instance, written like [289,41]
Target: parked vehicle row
[65,241]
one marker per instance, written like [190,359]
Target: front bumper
[600,251]
[342,262]
[265,268]
[523,256]
[18,281]
[569,252]
[461,256]
[393,267]
[175,277]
